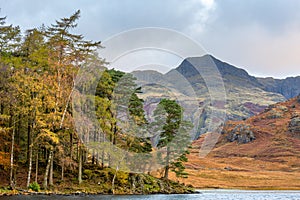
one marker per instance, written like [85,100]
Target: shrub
[88,173]
[34,186]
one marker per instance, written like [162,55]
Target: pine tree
[10,37]
[174,128]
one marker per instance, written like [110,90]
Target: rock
[241,133]
[274,114]
[228,168]
[294,125]
[288,87]
[283,108]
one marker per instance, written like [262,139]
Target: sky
[262,37]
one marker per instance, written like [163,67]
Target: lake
[205,194]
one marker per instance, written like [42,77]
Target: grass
[270,162]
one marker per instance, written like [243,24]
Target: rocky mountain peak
[230,74]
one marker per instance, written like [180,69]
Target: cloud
[274,16]
[200,14]
[251,34]
[259,36]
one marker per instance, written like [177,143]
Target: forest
[42,149]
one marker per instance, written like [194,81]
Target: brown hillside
[260,152]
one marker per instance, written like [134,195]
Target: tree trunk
[18,130]
[94,157]
[28,140]
[80,165]
[115,134]
[66,107]
[77,155]
[94,152]
[51,171]
[113,180]
[115,175]
[37,166]
[97,157]
[102,153]
[62,171]
[45,183]
[29,165]
[12,182]
[167,164]
[102,159]
[71,146]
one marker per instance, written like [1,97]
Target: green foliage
[88,173]
[10,37]
[174,137]
[171,126]
[122,178]
[34,186]
[116,75]
[37,71]
[178,167]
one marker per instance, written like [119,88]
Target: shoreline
[77,193]
[18,192]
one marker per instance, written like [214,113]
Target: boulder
[241,133]
[294,125]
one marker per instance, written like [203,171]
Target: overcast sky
[261,36]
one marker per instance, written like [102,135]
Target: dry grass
[272,161]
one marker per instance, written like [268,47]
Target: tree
[10,37]
[174,128]
[67,53]
[183,144]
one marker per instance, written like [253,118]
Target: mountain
[289,87]
[245,94]
[262,151]
[230,74]
[242,95]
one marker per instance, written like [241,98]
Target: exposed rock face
[274,114]
[246,95]
[241,133]
[230,74]
[274,149]
[254,109]
[289,87]
[294,125]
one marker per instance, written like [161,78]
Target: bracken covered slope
[260,152]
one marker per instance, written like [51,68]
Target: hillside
[243,95]
[260,152]
[246,95]
[288,87]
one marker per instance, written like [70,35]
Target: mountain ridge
[289,87]
[245,95]
[289,83]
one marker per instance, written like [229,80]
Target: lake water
[205,194]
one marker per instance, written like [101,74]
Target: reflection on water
[205,194]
